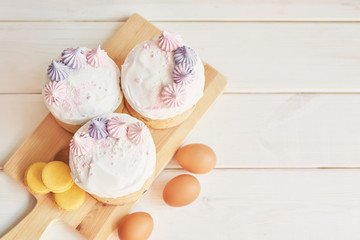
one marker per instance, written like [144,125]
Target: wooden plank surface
[67,232]
[256,57]
[24,114]
[188,10]
[261,204]
[265,204]
[96,220]
[283,130]
[15,201]
[245,130]
[310,52]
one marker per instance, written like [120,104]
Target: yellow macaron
[71,199]
[33,180]
[56,176]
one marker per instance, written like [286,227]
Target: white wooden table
[286,131]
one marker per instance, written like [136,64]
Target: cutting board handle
[34,224]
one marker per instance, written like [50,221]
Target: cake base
[130,198]
[73,128]
[160,123]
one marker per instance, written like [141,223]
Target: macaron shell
[33,180]
[71,199]
[56,176]
[64,189]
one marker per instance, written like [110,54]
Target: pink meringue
[169,41]
[138,133]
[55,93]
[97,57]
[81,143]
[74,58]
[173,95]
[116,127]
[183,74]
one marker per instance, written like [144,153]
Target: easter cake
[113,158]
[162,79]
[82,85]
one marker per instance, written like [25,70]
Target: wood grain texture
[264,204]
[24,113]
[93,219]
[282,131]
[174,10]
[245,130]
[311,52]
[67,232]
[260,204]
[256,57]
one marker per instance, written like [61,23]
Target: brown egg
[136,226]
[196,158]
[181,190]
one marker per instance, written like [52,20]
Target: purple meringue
[57,71]
[98,128]
[74,58]
[185,54]
[183,74]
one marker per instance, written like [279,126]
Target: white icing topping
[146,70]
[89,92]
[114,167]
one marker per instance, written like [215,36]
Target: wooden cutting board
[49,142]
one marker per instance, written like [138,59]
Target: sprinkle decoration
[173,95]
[98,128]
[57,71]
[84,162]
[97,57]
[138,133]
[116,127]
[55,93]
[146,45]
[183,74]
[186,55]
[81,143]
[74,57]
[169,41]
